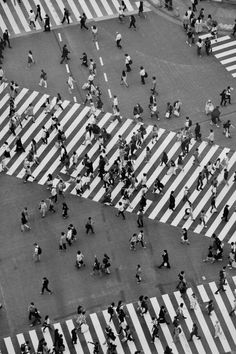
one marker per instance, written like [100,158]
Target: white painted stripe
[19,97]
[109,93]
[78,347]
[53,12]
[234,279]
[11,18]
[213,319]
[234,74]
[74,9]
[224,312]
[116,4]
[22,18]
[58,326]
[96,8]
[218,220]
[3,86]
[67,68]
[3,102]
[85,9]
[28,8]
[204,326]
[105,77]
[27,134]
[173,186]
[34,339]
[97,46]
[227,61]
[190,181]
[9,345]
[48,338]
[2,24]
[107,7]
[117,341]
[159,168]
[53,150]
[59,36]
[88,338]
[172,313]
[221,39]
[226,53]
[232,238]
[138,329]
[61,6]
[20,338]
[164,326]
[43,13]
[223,46]
[195,193]
[99,332]
[230,295]
[189,322]
[75,99]
[101,61]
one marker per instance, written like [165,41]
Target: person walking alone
[123,80]
[30,59]
[118,40]
[132,22]
[165,260]
[89,225]
[43,79]
[32,19]
[38,13]
[172,201]
[143,75]
[24,220]
[65,53]
[66,16]
[45,283]
[194,332]
[47,26]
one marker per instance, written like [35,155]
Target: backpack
[39,250]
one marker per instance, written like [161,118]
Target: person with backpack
[37,252]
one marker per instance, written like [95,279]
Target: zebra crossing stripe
[22,18]
[99,332]
[3,86]
[225,54]
[10,18]
[66,348]
[157,342]
[28,8]
[21,339]
[53,12]
[48,339]
[9,345]
[119,347]
[172,313]
[231,67]
[3,102]
[128,5]
[107,7]
[86,9]
[189,322]
[2,24]
[116,4]
[223,46]
[38,2]
[34,339]
[233,237]
[224,312]
[74,9]
[78,347]
[164,326]
[96,8]
[204,326]
[138,329]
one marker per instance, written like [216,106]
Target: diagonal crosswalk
[141,327]
[224,50]
[74,119]
[14,16]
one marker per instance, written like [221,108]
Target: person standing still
[45,283]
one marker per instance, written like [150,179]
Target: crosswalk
[224,50]
[73,120]
[141,327]
[14,16]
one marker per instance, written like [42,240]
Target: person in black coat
[165,260]
[172,201]
[47,27]
[225,213]
[19,145]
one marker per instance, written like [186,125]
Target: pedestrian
[225,213]
[200,181]
[37,318]
[70,83]
[186,194]
[45,283]
[140,239]
[89,225]
[118,40]
[165,260]
[30,59]
[84,59]
[47,25]
[6,38]
[184,237]
[62,242]
[29,113]
[43,79]
[196,157]
[94,30]
[121,210]
[138,274]
[143,75]
[154,86]
[208,47]
[24,220]
[228,94]
[132,22]
[38,13]
[43,208]
[83,20]
[162,315]
[66,16]
[128,62]
[46,324]
[164,159]
[218,329]
[234,29]
[28,172]
[176,333]
[199,45]
[155,330]
[111,311]
[202,218]
[194,332]
[32,19]
[74,336]
[95,347]
[226,175]
[172,201]
[140,9]
[31,310]
[213,204]
[233,305]
[65,210]
[37,252]
[158,186]
[140,218]
[123,79]
[221,284]
[210,307]
[65,53]
[193,302]
[179,312]
[223,100]
[121,15]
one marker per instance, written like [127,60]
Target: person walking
[140,218]
[47,24]
[140,9]
[37,252]
[70,83]
[43,208]
[143,75]
[111,311]
[132,22]
[38,13]
[218,329]
[210,307]
[121,210]
[172,201]
[66,16]
[32,19]
[194,332]
[24,220]
[65,209]
[179,312]
[89,225]
[62,242]
[83,20]
[225,213]
[30,59]
[164,159]
[118,38]
[43,79]
[123,80]
[94,30]
[213,203]
[221,283]
[184,237]
[6,38]
[200,181]
[47,324]
[65,53]
[138,274]
[128,62]
[31,310]
[165,260]
[196,157]
[202,218]
[45,283]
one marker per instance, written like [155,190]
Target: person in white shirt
[211,137]
[32,19]
[142,74]
[94,30]
[70,83]
[118,40]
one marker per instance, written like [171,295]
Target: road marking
[101,61]
[75,99]
[59,35]
[97,46]
[67,68]
[105,77]
[109,93]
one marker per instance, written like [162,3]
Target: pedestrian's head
[89,218]
[141,67]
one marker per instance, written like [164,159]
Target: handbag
[167,115]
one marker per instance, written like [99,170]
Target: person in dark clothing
[19,145]
[162,315]
[140,218]
[215,116]
[168,350]
[194,332]
[234,29]
[83,19]
[208,46]
[38,13]
[6,38]
[197,131]
[158,186]
[84,59]
[89,225]
[66,16]
[47,27]
[65,210]
[164,159]
[45,283]
[225,213]
[140,9]
[172,201]
[74,336]
[165,260]
[132,22]
[200,181]
[56,337]
[223,98]
[64,55]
